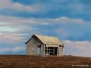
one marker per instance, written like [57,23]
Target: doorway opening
[38,49]
[51,50]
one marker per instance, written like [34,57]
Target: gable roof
[47,39]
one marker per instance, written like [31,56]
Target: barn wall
[32,47]
[42,49]
[29,47]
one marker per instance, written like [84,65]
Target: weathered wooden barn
[44,45]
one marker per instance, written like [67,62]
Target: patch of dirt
[26,61]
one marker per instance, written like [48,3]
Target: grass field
[25,61]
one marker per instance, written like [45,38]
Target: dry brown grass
[25,61]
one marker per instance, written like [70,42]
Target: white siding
[32,48]
[42,49]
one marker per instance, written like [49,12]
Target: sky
[69,20]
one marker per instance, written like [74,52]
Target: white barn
[44,45]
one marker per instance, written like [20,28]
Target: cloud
[14,50]
[11,20]
[9,29]
[73,29]
[15,29]
[69,20]
[45,9]
[11,39]
[63,27]
[78,48]
[31,2]
[7,4]
[15,24]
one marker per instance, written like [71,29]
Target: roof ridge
[45,35]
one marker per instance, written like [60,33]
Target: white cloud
[69,20]
[9,29]
[21,25]
[7,4]
[45,23]
[78,48]
[17,24]
[15,49]
[11,38]
[11,20]
[62,18]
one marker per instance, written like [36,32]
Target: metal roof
[48,39]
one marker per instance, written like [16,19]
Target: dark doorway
[55,51]
[51,50]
